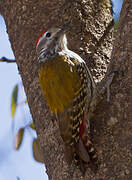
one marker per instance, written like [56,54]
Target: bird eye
[48,34]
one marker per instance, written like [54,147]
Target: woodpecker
[69,89]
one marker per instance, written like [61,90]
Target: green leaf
[19,138]
[37,154]
[14,98]
[32,126]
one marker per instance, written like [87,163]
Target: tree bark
[90,35]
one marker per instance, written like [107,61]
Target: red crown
[40,35]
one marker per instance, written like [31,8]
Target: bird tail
[90,148]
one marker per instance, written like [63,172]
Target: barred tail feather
[90,148]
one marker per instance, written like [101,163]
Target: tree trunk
[90,35]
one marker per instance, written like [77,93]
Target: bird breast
[59,82]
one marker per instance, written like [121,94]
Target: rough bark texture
[90,35]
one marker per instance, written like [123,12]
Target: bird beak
[62,30]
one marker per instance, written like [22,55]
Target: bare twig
[4,59]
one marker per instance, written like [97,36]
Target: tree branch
[4,59]
[111,126]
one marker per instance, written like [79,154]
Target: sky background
[19,163]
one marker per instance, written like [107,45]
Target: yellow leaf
[19,138]
[14,101]
[37,154]
[26,102]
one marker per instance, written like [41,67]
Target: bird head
[51,42]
